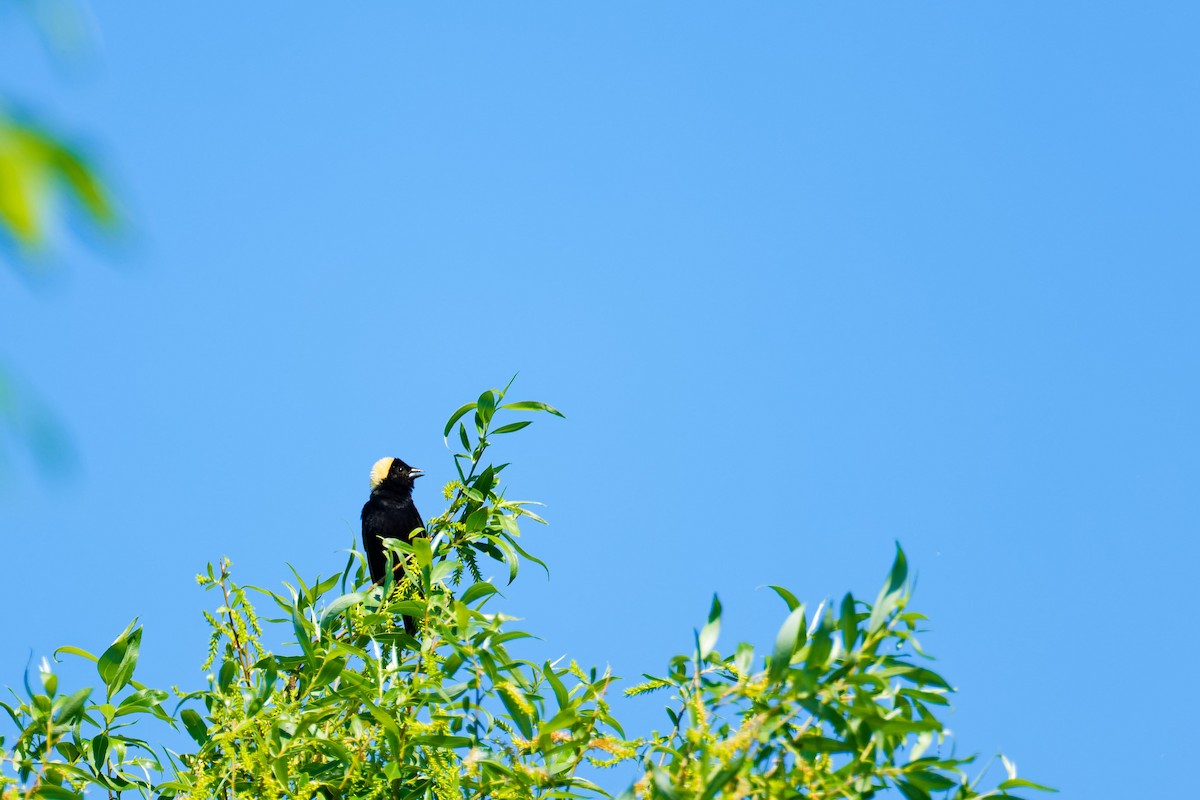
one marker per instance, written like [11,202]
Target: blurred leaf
[561,696]
[849,622]
[911,792]
[1021,783]
[52,792]
[708,634]
[820,643]
[930,781]
[662,783]
[744,658]
[32,424]
[279,768]
[787,596]
[35,166]
[722,778]
[71,708]
[886,602]
[786,642]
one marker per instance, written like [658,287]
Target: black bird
[390,514]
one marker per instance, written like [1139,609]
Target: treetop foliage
[842,704]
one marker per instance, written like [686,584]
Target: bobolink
[390,514]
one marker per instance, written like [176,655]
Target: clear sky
[805,277]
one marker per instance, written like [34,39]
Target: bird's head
[392,472]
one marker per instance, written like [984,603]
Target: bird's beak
[415,473]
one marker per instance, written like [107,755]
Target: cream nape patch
[380,471]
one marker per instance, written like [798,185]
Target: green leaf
[707,639]
[787,596]
[99,750]
[821,643]
[423,552]
[229,670]
[339,605]
[390,728]
[117,663]
[743,658]
[822,744]
[443,571]
[76,651]
[561,696]
[52,792]
[527,555]
[662,783]
[930,781]
[443,741]
[886,603]
[144,701]
[328,673]
[302,628]
[455,417]
[485,482]
[462,437]
[512,426]
[71,708]
[899,572]
[786,642]
[565,718]
[532,405]
[486,407]
[195,725]
[321,588]
[722,778]
[49,679]
[509,557]
[478,518]
[507,386]
[925,677]
[911,792]
[1014,783]
[849,622]
[279,767]
[476,591]
[518,715]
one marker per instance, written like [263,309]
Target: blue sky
[806,278]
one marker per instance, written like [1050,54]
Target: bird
[389,513]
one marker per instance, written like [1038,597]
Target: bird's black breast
[386,516]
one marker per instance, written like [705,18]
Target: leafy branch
[842,704]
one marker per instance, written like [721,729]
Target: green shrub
[840,706]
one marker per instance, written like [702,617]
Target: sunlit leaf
[707,639]
[456,416]
[532,405]
[786,642]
